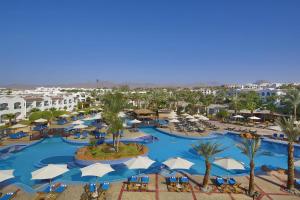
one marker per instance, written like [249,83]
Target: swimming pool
[54,150]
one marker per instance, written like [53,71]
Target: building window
[4,106]
[65,101]
[263,94]
[17,105]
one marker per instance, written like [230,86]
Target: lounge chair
[91,190]
[144,182]
[275,135]
[281,136]
[184,181]
[103,188]
[61,188]
[132,183]
[171,183]
[77,136]
[219,181]
[231,181]
[84,135]
[9,195]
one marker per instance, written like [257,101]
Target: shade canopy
[229,164]
[193,120]
[197,115]
[41,120]
[80,126]
[16,126]
[174,121]
[297,163]
[49,172]
[74,113]
[96,169]
[184,114]
[6,174]
[238,117]
[64,116]
[77,122]
[254,118]
[135,121]
[203,118]
[178,163]
[140,162]
[189,117]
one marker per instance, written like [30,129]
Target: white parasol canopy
[96,169]
[80,126]
[189,117]
[254,118]
[16,126]
[193,120]
[229,163]
[140,162]
[41,120]
[6,174]
[74,113]
[203,118]
[64,116]
[238,117]
[184,114]
[135,121]
[174,121]
[49,172]
[178,163]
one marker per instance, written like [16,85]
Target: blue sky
[175,41]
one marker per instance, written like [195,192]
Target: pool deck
[270,187]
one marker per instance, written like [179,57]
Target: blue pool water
[54,150]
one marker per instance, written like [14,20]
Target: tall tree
[10,117]
[208,150]
[292,97]
[292,132]
[250,148]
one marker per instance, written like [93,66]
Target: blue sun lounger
[77,136]
[281,136]
[183,179]
[220,181]
[92,187]
[172,179]
[84,135]
[7,196]
[275,135]
[145,179]
[104,186]
[60,188]
[133,179]
[231,181]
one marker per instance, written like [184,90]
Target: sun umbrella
[185,114]
[49,172]
[64,116]
[229,163]
[203,118]
[135,121]
[77,122]
[16,126]
[74,113]
[178,163]
[6,174]
[96,169]
[189,117]
[238,117]
[174,120]
[80,126]
[297,163]
[41,120]
[197,115]
[140,162]
[254,118]
[193,120]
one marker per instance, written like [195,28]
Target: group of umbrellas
[190,118]
[51,171]
[242,117]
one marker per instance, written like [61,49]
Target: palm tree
[292,132]
[293,98]
[208,150]
[10,117]
[250,147]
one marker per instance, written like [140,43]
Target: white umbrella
[6,174]
[64,116]
[275,128]
[16,126]
[197,115]
[77,122]
[185,114]
[254,118]
[74,113]
[238,117]
[80,126]
[189,117]
[121,114]
[41,120]
[193,120]
[174,121]
[96,169]
[229,163]
[297,163]
[178,163]
[140,162]
[49,172]
[203,118]
[135,121]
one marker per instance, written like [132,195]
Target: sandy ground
[269,186]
